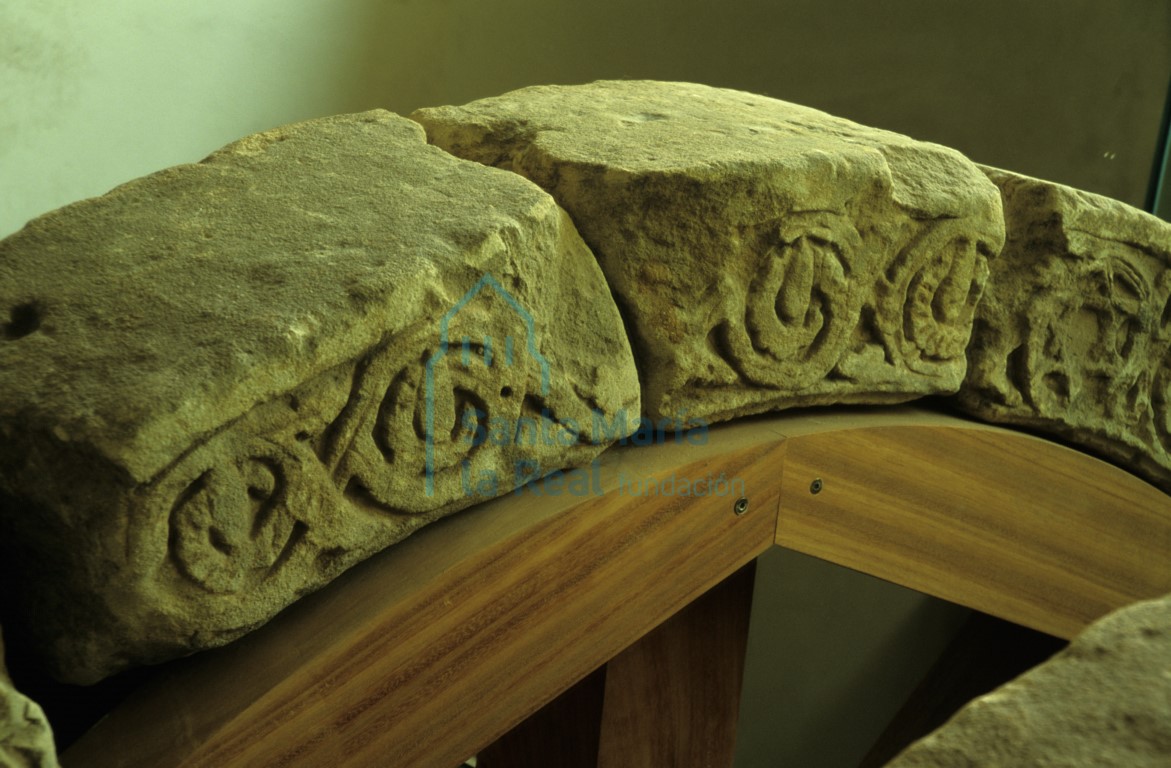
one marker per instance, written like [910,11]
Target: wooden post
[673,698]
[670,699]
[563,733]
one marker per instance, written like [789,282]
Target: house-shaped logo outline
[487,280]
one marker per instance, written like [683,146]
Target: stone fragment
[225,383]
[1103,701]
[765,255]
[1074,332]
[26,741]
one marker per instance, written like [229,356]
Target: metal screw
[815,486]
[741,506]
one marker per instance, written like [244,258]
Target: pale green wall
[832,655]
[96,93]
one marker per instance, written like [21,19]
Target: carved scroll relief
[766,255]
[1074,332]
[348,335]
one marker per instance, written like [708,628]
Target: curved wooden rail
[431,651]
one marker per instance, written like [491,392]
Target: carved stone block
[26,740]
[225,383]
[1074,332]
[1104,700]
[765,255]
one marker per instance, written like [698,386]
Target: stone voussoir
[227,382]
[765,255]
[26,740]
[1103,701]
[1073,335]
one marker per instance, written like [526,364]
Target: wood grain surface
[434,649]
[993,519]
[673,698]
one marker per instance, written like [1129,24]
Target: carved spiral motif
[802,304]
[423,418]
[928,298]
[231,522]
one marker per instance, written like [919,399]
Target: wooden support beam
[671,698]
[434,649]
[427,653]
[994,519]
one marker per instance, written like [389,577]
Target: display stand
[609,629]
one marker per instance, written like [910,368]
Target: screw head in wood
[741,506]
[815,486]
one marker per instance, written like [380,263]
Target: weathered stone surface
[765,255]
[1103,701]
[26,741]
[1074,331]
[224,383]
